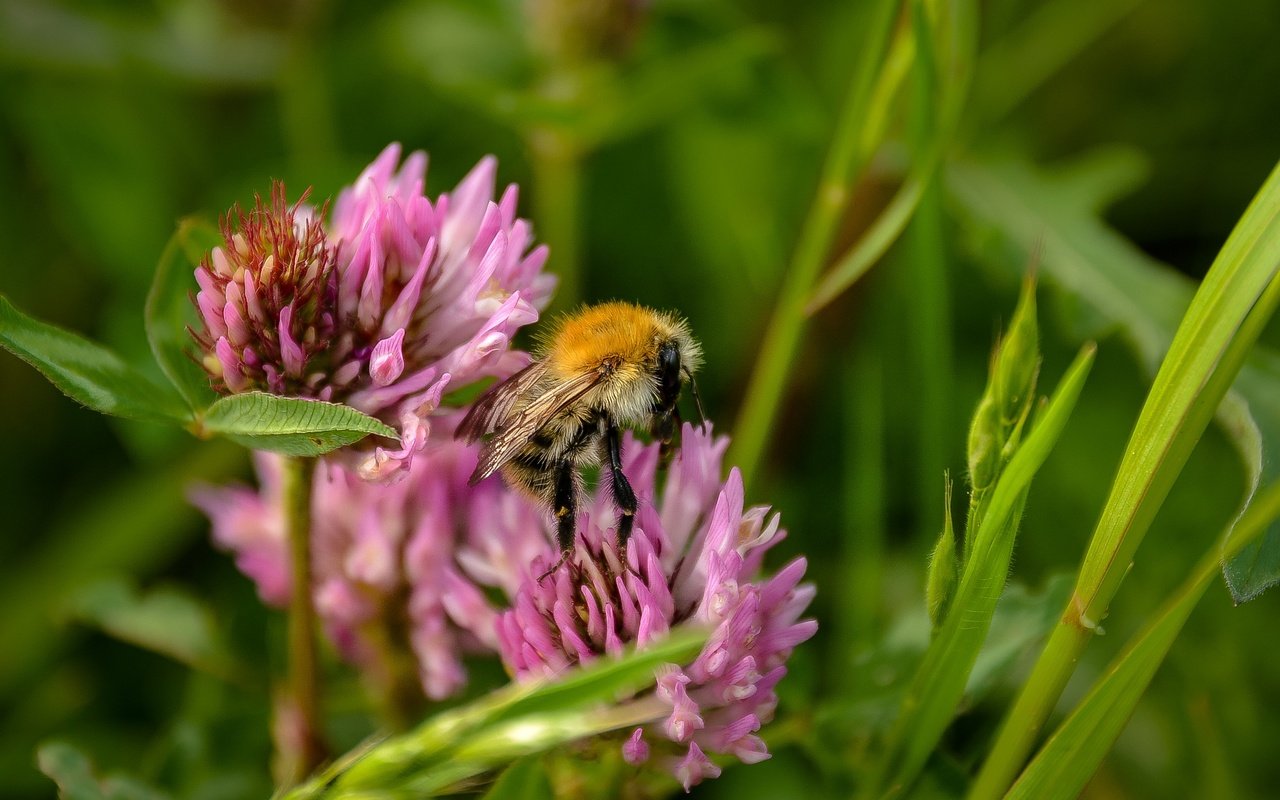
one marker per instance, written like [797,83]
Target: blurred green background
[667,156]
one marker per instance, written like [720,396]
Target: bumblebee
[600,369]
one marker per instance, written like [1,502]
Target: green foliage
[680,166]
[944,566]
[1066,763]
[170,314]
[70,770]
[938,685]
[165,620]
[515,722]
[289,425]
[86,372]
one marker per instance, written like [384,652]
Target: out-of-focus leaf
[85,371]
[165,620]
[523,780]
[197,42]
[70,769]
[129,524]
[874,243]
[289,425]
[1021,619]
[1121,286]
[169,310]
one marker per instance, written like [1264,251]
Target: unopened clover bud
[985,438]
[944,568]
[1018,357]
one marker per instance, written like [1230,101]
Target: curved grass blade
[518,720]
[1187,390]
[1071,756]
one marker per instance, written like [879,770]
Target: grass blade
[1068,760]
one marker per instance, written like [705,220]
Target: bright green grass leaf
[1119,285]
[71,771]
[1074,752]
[85,371]
[165,620]
[938,685]
[289,425]
[518,720]
[169,310]
[523,780]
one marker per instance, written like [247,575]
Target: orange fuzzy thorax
[623,332]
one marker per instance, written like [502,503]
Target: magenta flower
[396,300]
[692,557]
[382,560]
[267,300]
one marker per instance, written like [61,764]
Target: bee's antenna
[697,399]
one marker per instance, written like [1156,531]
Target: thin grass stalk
[925,304]
[845,159]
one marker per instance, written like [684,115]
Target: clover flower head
[383,307]
[266,299]
[693,557]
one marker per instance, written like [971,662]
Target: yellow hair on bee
[624,332]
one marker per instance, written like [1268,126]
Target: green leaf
[165,620]
[1121,286]
[938,685]
[71,771]
[1071,756]
[169,310]
[289,425]
[86,371]
[523,780]
[518,720]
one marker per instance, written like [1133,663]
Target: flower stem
[301,746]
[845,158]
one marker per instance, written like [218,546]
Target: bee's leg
[566,506]
[623,496]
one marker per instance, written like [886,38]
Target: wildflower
[692,557]
[382,560]
[396,300]
[267,300]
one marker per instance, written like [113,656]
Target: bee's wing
[493,408]
[526,422]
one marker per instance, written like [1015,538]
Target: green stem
[556,160]
[302,746]
[863,497]
[845,158]
[1094,590]
[926,305]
